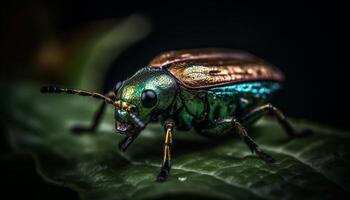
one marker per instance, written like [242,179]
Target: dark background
[308,42]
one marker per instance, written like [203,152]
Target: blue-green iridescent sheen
[234,100]
[254,88]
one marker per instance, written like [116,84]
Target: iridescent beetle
[214,91]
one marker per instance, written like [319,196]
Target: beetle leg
[268,108]
[78,129]
[238,127]
[168,141]
[249,141]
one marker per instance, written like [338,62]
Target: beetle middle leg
[168,141]
[268,108]
[238,128]
[78,129]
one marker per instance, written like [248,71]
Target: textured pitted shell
[205,68]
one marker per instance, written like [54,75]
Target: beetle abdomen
[235,99]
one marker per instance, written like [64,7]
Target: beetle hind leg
[281,118]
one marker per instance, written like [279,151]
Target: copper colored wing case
[205,68]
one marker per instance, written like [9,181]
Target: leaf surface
[313,167]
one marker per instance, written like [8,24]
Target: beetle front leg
[238,127]
[168,141]
[78,129]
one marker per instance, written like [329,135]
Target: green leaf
[313,167]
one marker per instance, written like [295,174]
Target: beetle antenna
[51,89]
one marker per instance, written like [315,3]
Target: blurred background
[55,42]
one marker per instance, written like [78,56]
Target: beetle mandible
[214,91]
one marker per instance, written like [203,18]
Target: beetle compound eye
[118,86]
[148,98]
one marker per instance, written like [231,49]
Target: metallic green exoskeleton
[214,91]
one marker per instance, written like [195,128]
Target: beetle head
[149,92]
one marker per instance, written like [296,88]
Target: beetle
[214,91]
